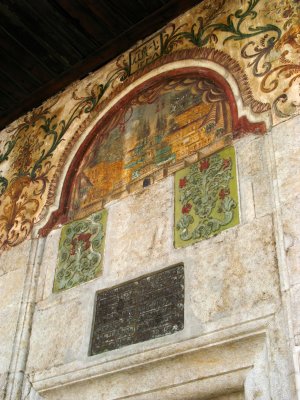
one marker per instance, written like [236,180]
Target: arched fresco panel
[180,122]
[160,126]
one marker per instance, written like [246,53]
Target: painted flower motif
[24,160]
[226,163]
[82,241]
[186,208]
[25,154]
[223,193]
[204,164]
[182,182]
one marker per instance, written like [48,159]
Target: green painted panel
[206,198]
[80,254]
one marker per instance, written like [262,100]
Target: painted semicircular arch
[158,127]
[148,133]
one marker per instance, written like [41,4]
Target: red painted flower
[186,208]
[82,240]
[85,238]
[226,163]
[223,193]
[204,164]
[182,182]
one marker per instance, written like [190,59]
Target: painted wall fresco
[257,41]
[81,248]
[160,126]
[206,198]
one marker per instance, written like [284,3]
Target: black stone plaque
[137,311]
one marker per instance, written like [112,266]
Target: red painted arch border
[241,126]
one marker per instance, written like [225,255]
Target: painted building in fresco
[149,231]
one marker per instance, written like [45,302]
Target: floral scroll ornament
[80,251]
[27,188]
[206,198]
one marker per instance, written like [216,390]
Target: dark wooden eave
[47,44]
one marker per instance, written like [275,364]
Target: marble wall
[236,337]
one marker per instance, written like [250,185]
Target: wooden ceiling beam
[86,19]
[113,22]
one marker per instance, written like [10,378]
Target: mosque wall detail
[159,129]
[257,47]
[148,220]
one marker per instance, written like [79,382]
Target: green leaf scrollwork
[205,32]
[233,26]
